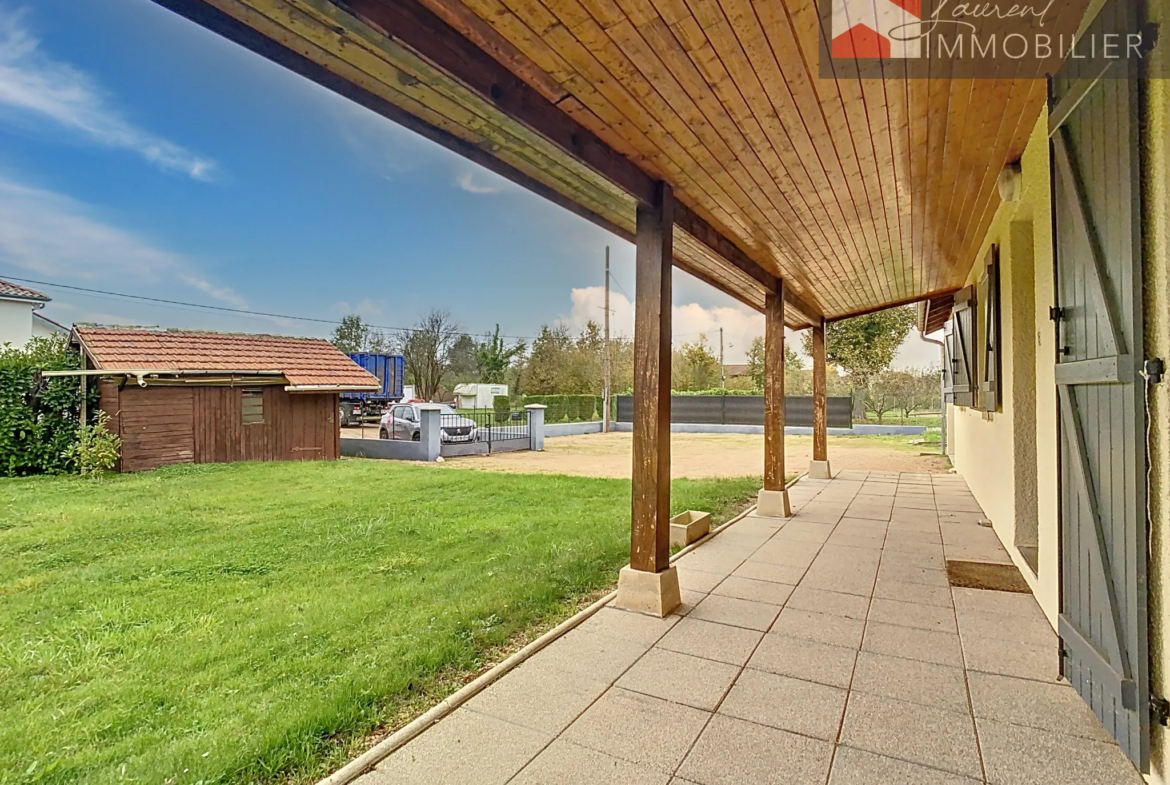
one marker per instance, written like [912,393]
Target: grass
[255,622]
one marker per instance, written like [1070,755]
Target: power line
[242,311]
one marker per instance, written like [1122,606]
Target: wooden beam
[417,27]
[774,391]
[819,390]
[694,225]
[650,505]
[895,304]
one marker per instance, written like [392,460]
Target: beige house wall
[1156,247]
[1009,457]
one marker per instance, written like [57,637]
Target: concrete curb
[385,748]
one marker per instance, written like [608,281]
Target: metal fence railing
[483,425]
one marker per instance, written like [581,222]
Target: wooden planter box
[686,527]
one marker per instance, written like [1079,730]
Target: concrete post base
[819,470]
[655,593]
[774,504]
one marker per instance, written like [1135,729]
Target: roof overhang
[860,194]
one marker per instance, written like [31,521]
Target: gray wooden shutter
[948,360]
[963,363]
[1094,135]
[990,356]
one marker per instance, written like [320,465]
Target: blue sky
[140,153]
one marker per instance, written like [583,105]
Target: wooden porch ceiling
[858,193]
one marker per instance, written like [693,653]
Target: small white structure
[478,396]
[19,320]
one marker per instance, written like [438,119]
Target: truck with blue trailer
[389,370]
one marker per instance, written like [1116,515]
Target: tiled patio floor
[823,648]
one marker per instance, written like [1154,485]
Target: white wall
[41,329]
[15,322]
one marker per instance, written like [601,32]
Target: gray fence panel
[743,410]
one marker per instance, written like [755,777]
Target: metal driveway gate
[1103,539]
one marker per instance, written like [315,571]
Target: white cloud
[480,182]
[34,87]
[366,307]
[52,235]
[689,322]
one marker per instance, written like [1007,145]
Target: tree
[881,394]
[864,346]
[426,350]
[797,381]
[548,362]
[494,358]
[351,335]
[462,361]
[694,367]
[915,390]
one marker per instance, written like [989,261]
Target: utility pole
[605,396]
[722,367]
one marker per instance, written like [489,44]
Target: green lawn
[252,622]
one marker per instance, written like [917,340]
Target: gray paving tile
[689,599]
[754,590]
[711,641]
[1036,630]
[736,612]
[1015,755]
[638,728]
[565,763]
[1012,658]
[715,561]
[907,574]
[915,681]
[490,751]
[803,707]
[539,695]
[909,614]
[804,659]
[913,644]
[1051,706]
[858,767]
[698,580]
[1000,603]
[786,553]
[734,752]
[912,732]
[627,625]
[919,593]
[822,627]
[928,561]
[594,657]
[680,678]
[841,576]
[832,602]
[762,571]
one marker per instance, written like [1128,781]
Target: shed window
[253,407]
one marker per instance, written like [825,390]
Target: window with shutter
[948,354]
[253,407]
[964,384]
[990,385]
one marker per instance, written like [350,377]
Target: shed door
[1096,215]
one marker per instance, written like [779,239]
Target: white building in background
[478,396]
[19,317]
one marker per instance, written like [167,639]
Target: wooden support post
[818,468]
[773,500]
[650,584]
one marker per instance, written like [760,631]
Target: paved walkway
[825,648]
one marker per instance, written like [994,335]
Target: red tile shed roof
[9,289]
[305,362]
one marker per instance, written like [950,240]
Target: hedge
[39,416]
[567,408]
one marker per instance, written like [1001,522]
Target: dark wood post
[650,533]
[650,584]
[819,467]
[774,497]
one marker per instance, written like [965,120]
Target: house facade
[20,319]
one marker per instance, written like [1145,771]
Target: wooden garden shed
[203,397]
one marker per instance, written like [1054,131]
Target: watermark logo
[993,39]
[876,29]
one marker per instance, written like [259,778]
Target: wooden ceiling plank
[880,127]
[918,96]
[739,42]
[897,98]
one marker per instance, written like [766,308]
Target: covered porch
[826,647]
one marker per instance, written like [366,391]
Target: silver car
[402,422]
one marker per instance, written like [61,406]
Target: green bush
[39,416]
[716,391]
[502,406]
[96,449]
